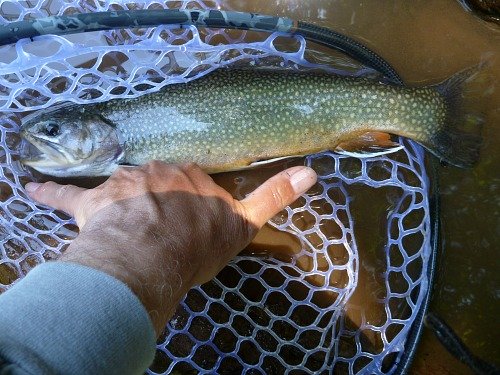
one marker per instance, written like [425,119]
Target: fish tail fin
[459,141]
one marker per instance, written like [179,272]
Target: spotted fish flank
[229,119]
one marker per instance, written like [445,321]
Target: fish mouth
[39,152]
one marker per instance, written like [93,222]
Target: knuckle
[157,164]
[198,176]
[177,171]
[175,168]
[46,190]
[153,165]
[280,196]
[130,173]
[61,191]
[190,169]
[49,185]
[121,172]
[139,175]
[190,166]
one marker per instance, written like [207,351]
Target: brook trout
[230,119]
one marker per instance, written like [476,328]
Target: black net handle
[86,22]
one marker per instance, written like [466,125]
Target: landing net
[261,314]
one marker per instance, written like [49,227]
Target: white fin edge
[364,155]
[269,161]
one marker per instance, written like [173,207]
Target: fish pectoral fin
[367,145]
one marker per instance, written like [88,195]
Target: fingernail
[31,187]
[303,179]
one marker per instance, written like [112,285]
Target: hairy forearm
[158,284]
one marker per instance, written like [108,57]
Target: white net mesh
[261,314]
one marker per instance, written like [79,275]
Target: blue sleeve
[64,318]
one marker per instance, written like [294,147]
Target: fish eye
[52,129]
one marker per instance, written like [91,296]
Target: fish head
[71,144]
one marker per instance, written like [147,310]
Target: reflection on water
[488,10]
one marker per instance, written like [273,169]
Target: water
[427,42]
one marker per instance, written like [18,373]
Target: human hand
[162,229]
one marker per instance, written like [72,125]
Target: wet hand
[163,228]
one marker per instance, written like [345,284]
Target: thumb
[60,197]
[276,193]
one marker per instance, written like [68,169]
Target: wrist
[159,289]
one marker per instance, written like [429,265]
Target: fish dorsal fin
[368,144]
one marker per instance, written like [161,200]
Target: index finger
[61,197]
